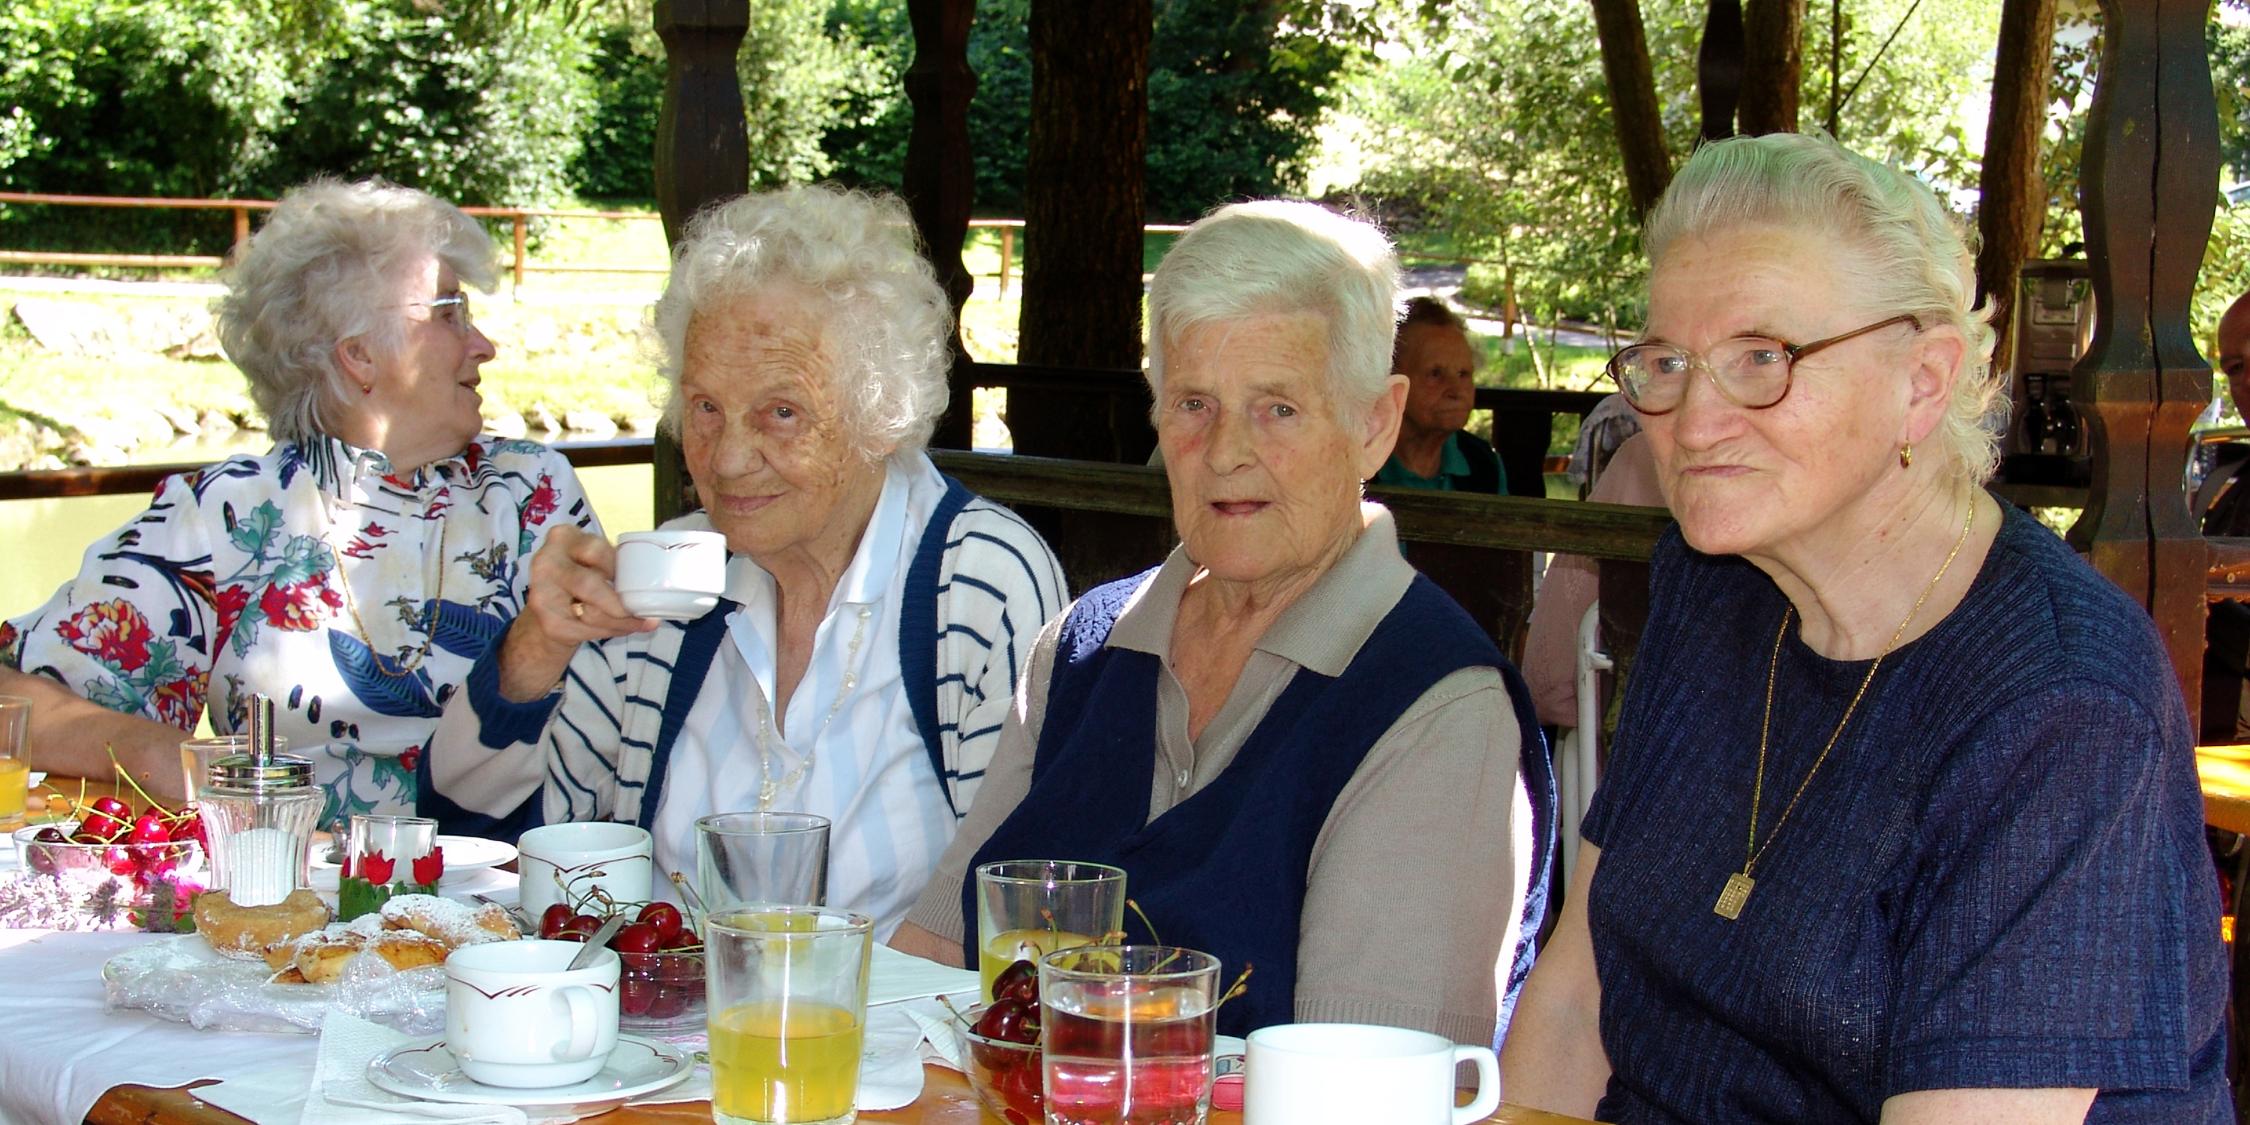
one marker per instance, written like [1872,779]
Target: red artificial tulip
[376,868]
[429,868]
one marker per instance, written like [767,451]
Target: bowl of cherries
[1004,1053]
[660,975]
[152,854]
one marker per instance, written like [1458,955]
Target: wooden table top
[946,1100]
[2225,772]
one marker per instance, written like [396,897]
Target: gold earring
[1906,456]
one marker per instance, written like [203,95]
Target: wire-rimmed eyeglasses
[452,310]
[1753,372]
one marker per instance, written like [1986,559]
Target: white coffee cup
[671,575]
[516,1016]
[581,855]
[1350,1073]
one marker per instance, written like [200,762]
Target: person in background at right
[2223,501]
[1901,822]
[1433,451]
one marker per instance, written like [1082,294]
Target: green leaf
[253,533]
[356,897]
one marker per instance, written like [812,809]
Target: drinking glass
[399,839]
[1027,908]
[1128,1034]
[787,990]
[761,857]
[15,773]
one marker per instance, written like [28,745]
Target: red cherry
[680,968]
[667,1002]
[1010,1021]
[111,806]
[637,997]
[666,918]
[685,939]
[50,835]
[187,826]
[580,927]
[1019,981]
[552,921]
[574,935]
[639,937]
[120,859]
[149,828]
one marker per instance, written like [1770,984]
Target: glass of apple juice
[1028,908]
[788,1009]
[1128,1032]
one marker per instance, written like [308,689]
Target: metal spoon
[597,942]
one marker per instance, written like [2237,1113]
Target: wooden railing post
[241,230]
[1007,254]
[518,222]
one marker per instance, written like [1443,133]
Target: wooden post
[1774,58]
[702,154]
[1632,100]
[2011,197]
[1007,254]
[1718,68]
[940,175]
[241,230]
[2150,177]
[519,225]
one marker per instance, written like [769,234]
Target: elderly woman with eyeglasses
[1306,757]
[876,611]
[1902,821]
[355,571]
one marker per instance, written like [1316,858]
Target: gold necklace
[1739,885]
[429,612]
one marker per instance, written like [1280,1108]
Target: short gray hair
[884,312]
[1282,256]
[321,271]
[1913,256]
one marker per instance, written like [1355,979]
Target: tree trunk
[1083,209]
[1773,40]
[1719,61]
[702,155]
[2012,198]
[1632,101]
[940,178]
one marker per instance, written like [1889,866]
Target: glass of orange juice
[1027,908]
[788,1011]
[15,773]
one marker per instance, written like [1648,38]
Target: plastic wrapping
[179,978]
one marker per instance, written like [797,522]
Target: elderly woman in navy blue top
[860,662]
[1304,757]
[1902,821]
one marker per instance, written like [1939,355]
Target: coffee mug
[671,575]
[517,1016]
[1349,1073]
[565,862]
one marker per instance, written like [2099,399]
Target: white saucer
[669,605]
[424,1069]
[462,853]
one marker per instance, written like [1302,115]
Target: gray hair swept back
[321,271]
[1283,256]
[1912,255]
[887,321]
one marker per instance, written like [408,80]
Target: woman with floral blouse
[354,572]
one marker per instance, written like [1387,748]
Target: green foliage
[617,159]
[801,77]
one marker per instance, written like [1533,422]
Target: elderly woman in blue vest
[1902,822]
[861,661]
[1305,757]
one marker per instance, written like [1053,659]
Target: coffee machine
[2054,322]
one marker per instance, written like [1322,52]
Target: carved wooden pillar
[702,154]
[940,176]
[2150,177]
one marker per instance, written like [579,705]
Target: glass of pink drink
[1128,1034]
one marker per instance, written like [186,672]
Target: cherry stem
[1241,985]
[1143,916]
[127,774]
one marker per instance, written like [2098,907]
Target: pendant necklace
[1736,893]
[769,786]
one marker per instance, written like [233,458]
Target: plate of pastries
[283,967]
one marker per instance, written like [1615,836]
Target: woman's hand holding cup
[572,599]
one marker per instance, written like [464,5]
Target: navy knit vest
[1224,870]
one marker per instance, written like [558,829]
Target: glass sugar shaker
[259,812]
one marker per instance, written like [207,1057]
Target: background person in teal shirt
[1433,451]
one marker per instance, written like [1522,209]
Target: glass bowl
[65,884]
[661,992]
[1005,1075]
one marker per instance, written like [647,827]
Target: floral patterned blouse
[356,600]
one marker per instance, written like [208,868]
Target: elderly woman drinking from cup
[1902,822]
[875,612]
[1328,747]
[352,573]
